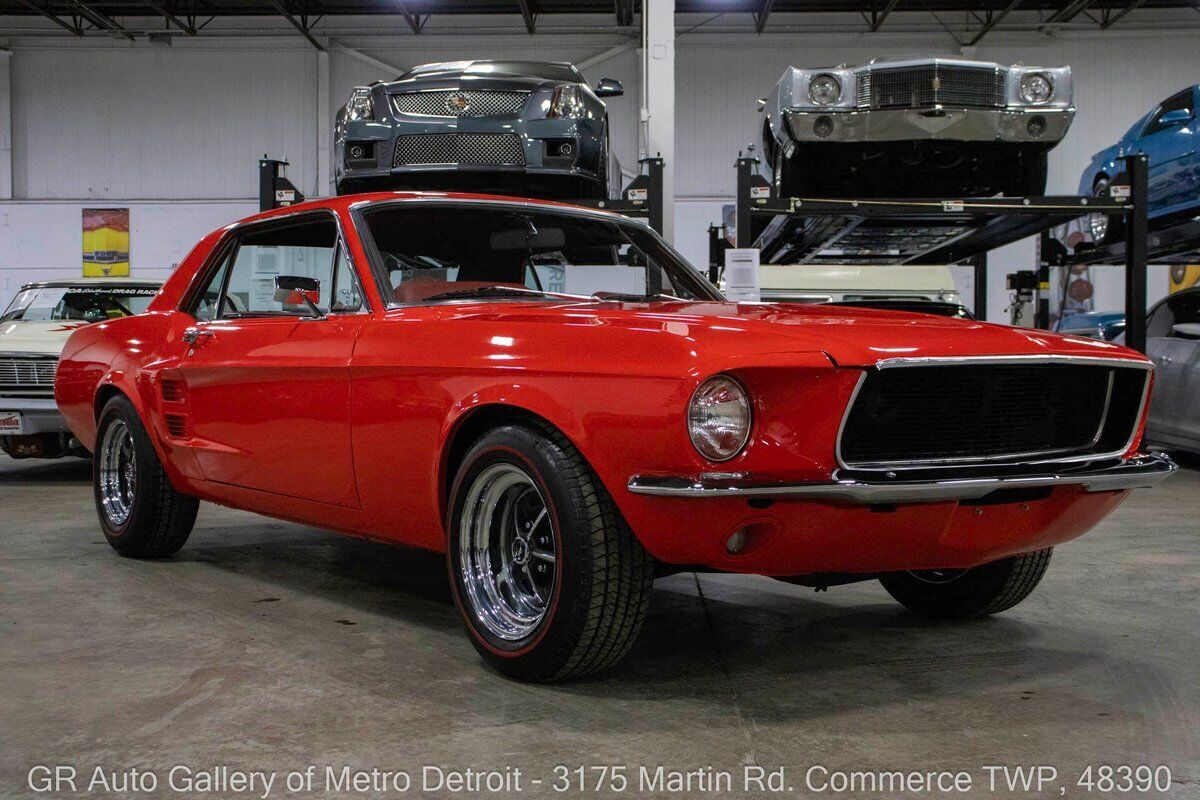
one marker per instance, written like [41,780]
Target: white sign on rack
[741,274]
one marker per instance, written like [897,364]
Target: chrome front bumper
[39,415]
[1139,472]
[953,124]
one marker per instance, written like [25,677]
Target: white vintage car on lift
[33,330]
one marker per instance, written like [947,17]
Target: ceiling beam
[528,15]
[304,31]
[993,22]
[1108,23]
[412,19]
[57,20]
[1069,12]
[190,30]
[760,17]
[882,15]
[101,20]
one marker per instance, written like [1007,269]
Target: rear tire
[970,593]
[549,580]
[141,513]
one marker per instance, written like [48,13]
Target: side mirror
[609,87]
[1174,117]
[297,290]
[1187,330]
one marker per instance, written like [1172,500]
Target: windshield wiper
[636,298]
[502,291]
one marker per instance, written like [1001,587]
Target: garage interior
[271,645]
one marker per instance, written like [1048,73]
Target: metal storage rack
[936,231]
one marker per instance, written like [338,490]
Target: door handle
[193,335]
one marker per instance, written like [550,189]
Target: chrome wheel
[507,552]
[118,473]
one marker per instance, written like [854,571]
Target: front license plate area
[11,424]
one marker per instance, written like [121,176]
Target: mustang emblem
[458,103]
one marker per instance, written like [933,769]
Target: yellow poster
[106,242]
[1184,276]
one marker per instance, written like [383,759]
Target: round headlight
[825,90]
[719,418]
[1036,87]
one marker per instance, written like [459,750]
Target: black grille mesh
[929,85]
[965,413]
[459,148]
[468,103]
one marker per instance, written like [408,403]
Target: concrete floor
[266,645]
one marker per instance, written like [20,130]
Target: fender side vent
[177,426]
[172,391]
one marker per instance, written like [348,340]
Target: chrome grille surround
[929,85]
[27,375]
[459,103]
[459,148]
[1118,424]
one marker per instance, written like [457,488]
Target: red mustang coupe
[555,399]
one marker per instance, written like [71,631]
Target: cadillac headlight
[825,90]
[567,102]
[719,418]
[1036,87]
[360,106]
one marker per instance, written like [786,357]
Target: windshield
[85,303]
[441,253]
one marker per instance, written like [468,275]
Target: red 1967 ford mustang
[555,399]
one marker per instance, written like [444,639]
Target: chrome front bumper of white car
[1018,125]
[38,415]
[1134,473]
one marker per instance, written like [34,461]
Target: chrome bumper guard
[1135,473]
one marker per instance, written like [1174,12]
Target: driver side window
[244,283]
[1180,102]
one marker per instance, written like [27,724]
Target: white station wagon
[33,330]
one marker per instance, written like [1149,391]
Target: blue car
[1106,325]
[1168,137]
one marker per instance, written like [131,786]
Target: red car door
[268,384]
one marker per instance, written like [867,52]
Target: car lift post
[979,309]
[1135,253]
[745,228]
[274,190]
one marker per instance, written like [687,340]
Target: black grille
[981,413]
[931,84]
[468,103]
[459,148]
[28,377]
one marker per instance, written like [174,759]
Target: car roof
[87,283]
[346,202]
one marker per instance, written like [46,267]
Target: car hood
[738,333]
[456,79]
[41,338]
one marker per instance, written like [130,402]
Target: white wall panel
[44,241]
[144,122]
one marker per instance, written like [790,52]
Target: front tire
[550,581]
[141,513]
[969,593]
